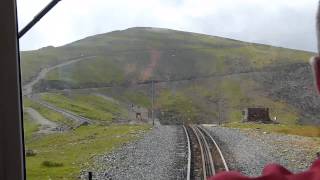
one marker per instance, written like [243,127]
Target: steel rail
[217,147]
[209,160]
[189,154]
[204,173]
[205,147]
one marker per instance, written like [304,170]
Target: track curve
[205,158]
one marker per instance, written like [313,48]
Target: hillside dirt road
[79,120]
[132,111]
[27,89]
[46,126]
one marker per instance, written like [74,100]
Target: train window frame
[12,160]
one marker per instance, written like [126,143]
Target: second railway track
[205,158]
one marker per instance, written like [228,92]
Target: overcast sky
[286,23]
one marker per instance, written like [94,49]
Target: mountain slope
[219,73]
[161,53]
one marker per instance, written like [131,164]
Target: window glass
[108,87]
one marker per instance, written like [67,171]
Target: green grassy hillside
[90,106]
[144,53]
[88,72]
[221,76]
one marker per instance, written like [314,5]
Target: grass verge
[29,126]
[62,156]
[300,130]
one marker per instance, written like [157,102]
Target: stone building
[256,115]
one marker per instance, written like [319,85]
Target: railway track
[205,158]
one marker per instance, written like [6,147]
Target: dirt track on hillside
[27,89]
[46,126]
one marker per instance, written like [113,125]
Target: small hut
[256,115]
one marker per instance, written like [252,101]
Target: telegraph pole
[218,103]
[152,101]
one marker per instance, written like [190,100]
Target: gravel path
[158,155]
[107,98]
[248,151]
[77,119]
[46,126]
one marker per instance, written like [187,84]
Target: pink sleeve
[274,172]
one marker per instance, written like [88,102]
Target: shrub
[51,164]
[30,153]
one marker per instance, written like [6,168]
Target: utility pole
[152,101]
[218,107]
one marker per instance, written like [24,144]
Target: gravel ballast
[157,155]
[248,151]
